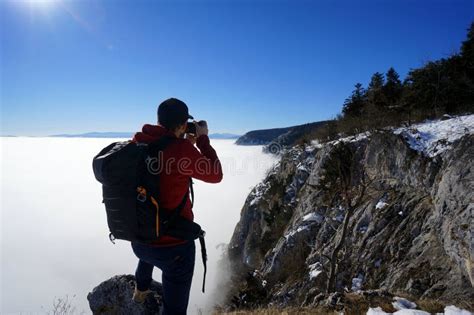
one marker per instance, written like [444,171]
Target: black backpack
[130,185]
[129,176]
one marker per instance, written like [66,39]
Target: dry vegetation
[286,311]
[353,304]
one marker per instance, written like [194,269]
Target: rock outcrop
[114,296]
[411,233]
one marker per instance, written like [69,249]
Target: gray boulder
[114,296]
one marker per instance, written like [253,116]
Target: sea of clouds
[54,235]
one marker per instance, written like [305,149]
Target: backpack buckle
[141,196]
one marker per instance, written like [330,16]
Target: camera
[191,127]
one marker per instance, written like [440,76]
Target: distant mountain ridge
[96,135]
[223,136]
[286,136]
[114,134]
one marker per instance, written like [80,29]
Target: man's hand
[201,129]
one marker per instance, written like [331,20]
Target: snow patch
[257,193]
[379,311]
[448,310]
[434,137]
[381,204]
[313,217]
[357,282]
[307,221]
[314,270]
[339,218]
[363,229]
[401,304]
[293,232]
[354,138]
[302,167]
[315,144]
[453,310]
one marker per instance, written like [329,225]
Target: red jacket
[182,160]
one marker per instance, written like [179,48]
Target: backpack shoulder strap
[177,211]
[159,144]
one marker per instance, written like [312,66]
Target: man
[181,161]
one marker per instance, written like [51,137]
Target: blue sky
[80,66]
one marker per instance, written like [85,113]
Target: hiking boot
[140,296]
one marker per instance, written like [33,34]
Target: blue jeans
[177,266]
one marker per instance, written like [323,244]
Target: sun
[40,5]
[38,9]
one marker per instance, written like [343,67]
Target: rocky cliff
[402,220]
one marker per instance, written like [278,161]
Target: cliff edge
[401,219]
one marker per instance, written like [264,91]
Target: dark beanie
[172,113]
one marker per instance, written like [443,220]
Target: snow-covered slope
[431,138]
[435,137]
[448,310]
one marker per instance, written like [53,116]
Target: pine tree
[467,52]
[392,88]
[353,105]
[467,48]
[376,99]
[376,82]
[375,110]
